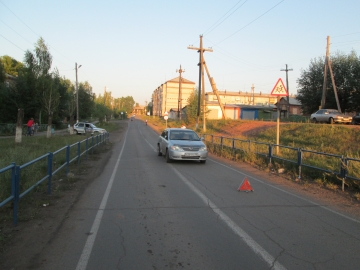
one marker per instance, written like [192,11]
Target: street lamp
[77,92]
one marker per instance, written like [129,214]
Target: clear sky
[132,47]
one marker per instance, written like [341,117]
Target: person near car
[183,126]
[146,122]
[30,124]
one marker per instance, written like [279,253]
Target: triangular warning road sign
[245,186]
[279,89]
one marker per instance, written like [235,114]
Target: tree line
[346,71]
[37,89]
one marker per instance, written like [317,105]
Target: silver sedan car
[330,116]
[181,144]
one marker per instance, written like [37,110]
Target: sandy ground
[26,240]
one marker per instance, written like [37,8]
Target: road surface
[142,213]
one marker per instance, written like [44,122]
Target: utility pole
[287,87]
[328,65]
[180,92]
[252,99]
[323,98]
[77,92]
[201,50]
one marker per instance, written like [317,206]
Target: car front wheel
[167,157]
[159,152]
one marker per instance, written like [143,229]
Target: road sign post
[278,90]
[166,118]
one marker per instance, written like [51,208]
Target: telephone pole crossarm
[198,49]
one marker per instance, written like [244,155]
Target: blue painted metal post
[16,195]
[78,153]
[50,165]
[13,184]
[299,161]
[342,172]
[86,147]
[67,159]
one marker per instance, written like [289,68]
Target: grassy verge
[34,147]
[331,139]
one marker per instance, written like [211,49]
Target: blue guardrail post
[16,194]
[50,163]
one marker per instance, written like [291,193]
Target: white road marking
[306,200]
[270,260]
[85,255]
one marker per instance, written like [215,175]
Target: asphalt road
[142,213]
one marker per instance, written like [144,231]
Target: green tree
[11,66]
[46,82]
[86,100]
[192,107]
[346,72]
[2,72]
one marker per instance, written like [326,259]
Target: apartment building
[166,96]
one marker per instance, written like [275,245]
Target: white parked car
[82,128]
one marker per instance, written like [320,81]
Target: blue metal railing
[15,170]
[338,165]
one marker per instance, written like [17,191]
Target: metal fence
[54,162]
[343,167]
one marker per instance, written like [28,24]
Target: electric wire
[32,31]
[217,23]
[250,22]
[12,43]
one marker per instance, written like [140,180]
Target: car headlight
[176,148]
[203,148]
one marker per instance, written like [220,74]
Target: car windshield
[184,135]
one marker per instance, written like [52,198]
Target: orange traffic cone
[245,186]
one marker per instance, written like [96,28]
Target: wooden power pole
[202,64]
[328,65]
[180,92]
[287,87]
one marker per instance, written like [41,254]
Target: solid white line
[306,200]
[270,260]
[85,255]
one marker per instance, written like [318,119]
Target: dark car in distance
[356,119]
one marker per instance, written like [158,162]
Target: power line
[347,35]
[20,19]
[251,22]
[15,31]
[12,43]
[216,24]
[32,30]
